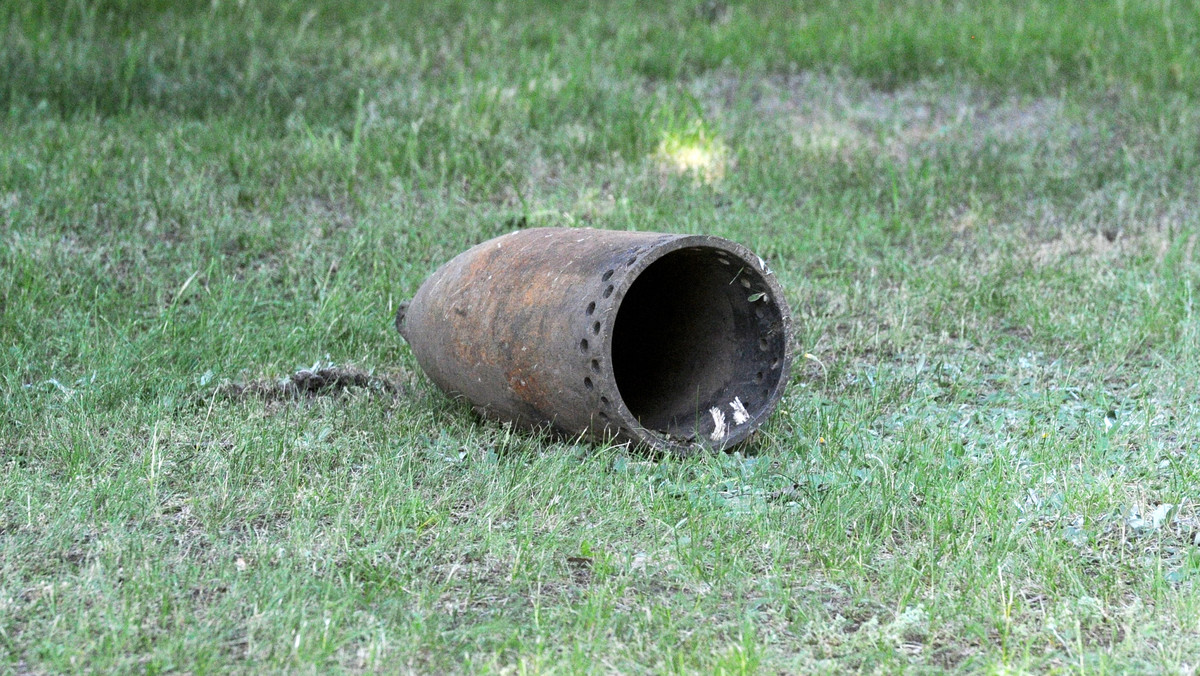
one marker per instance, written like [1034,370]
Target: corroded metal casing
[678,342]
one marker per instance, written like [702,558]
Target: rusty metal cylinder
[676,342]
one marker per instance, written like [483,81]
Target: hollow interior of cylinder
[697,344]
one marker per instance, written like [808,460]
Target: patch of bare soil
[841,116]
[1110,228]
[331,381]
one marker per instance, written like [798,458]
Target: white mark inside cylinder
[739,411]
[718,417]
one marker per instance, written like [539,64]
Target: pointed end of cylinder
[401,313]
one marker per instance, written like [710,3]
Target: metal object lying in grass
[677,342]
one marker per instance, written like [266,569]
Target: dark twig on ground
[314,382]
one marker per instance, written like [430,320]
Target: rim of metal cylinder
[732,421]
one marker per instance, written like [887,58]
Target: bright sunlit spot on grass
[693,151]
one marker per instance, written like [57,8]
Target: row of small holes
[583,344]
[761,313]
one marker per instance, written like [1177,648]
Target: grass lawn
[217,455]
